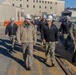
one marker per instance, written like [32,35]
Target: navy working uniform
[50,35]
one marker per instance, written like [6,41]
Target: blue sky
[70,3]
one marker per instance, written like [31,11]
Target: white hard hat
[28,16]
[12,19]
[49,17]
[38,17]
[68,17]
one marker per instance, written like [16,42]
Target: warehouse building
[18,8]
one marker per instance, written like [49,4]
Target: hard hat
[38,17]
[12,19]
[28,16]
[68,17]
[49,17]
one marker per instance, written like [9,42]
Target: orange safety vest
[17,22]
[6,23]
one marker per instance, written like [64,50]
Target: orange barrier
[17,22]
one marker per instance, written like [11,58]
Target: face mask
[27,25]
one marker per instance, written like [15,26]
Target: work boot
[25,64]
[30,67]
[13,50]
[47,59]
[52,63]
[48,62]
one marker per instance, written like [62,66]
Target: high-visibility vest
[6,23]
[17,22]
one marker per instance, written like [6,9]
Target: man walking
[49,34]
[10,31]
[65,29]
[26,36]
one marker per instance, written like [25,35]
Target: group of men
[26,37]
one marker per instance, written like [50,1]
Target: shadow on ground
[4,50]
[65,54]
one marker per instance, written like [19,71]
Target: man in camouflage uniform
[10,31]
[49,33]
[73,36]
[65,29]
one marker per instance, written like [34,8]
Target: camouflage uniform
[11,30]
[50,48]
[65,27]
[13,40]
[65,36]
[50,35]
[73,34]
